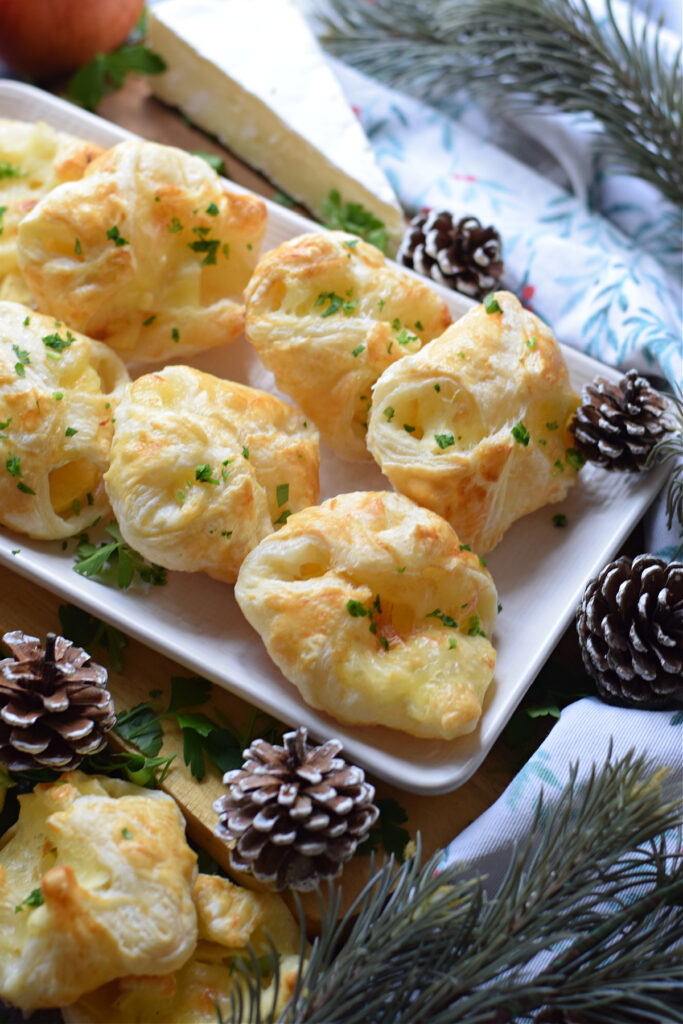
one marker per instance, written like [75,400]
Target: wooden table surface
[23,605]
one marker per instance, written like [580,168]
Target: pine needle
[593,889]
[671,448]
[541,55]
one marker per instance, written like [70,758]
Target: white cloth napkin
[585,733]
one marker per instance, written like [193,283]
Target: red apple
[47,38]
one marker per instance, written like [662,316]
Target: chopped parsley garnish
[407,427]
[357,351]
[491,304]
[13,465]
[465,547]
[226,533]
[558,467]
[76,507]
[2,214]
[77,247]
[352,243]
[175,334]
[56,343]
[203,474]
[473,627]
[404,338]
[34,899]
[205,245]
[26,321]
[396,324]
[336,302]
[245,451]
[446,619]
[444,440]
[380,304]
[9,171]
[400,568]
[115,236]
[20,369]
[126,833]
[384,642]
[58,395]
[283,517]
[283,199]
[89,498]
[21,354]
[574,458]
[560,520]
[24,488]
[212,210]
[282,494]
[388,413]
[437,387]
[175,226]
[520,434]
[531,342]
[149,320]
[356,609]
[70,431]
[552,426]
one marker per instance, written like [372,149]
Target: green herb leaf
[115,236]
[56,343]
[126,833]
[446,619]
[209,246]
[7,170]
[560,520]
[491,304]
[355,219]
[520,434]
[106,73]
[574,458]
[282,494]
[203,474]
[357,351]
[34,899]
[444,440]
[88,632]
[283,199]
[140,726]
[356,609]
[188,692]
[216,162]
[283,517]
[389,831]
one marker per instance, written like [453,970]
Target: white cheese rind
[251,73]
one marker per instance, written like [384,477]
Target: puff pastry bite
[327,314]
[58,392]
[96,882]
[475,425]
[372,608]
[229,918]
[34,158]
[202,469]
[149,252]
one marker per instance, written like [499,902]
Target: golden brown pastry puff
[230,918]
[372,608]
[34,158]
[149,252]
[327,314]
[475,425]
[202,469]
[58,392]
[96,881]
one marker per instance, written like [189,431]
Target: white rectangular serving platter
[540,571]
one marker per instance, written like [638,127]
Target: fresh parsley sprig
[89,632]
[115,563]
[354,218]
[107,72]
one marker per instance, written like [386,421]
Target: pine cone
[54,708]
[464,256]
[295,813]
[618,425]
[630,626]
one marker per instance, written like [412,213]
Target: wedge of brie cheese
[251,73]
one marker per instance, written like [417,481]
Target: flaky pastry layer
[202,469]
[327,314]
[34,159]
[58,395]
[149,252]
[475,426]
[96,882]
[371,606]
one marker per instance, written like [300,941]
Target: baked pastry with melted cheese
[229,919]
[34,158]
[372,608]
[58,393]
[475,426]
[203,468]
[96,882]
[149,252]
[327,314]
